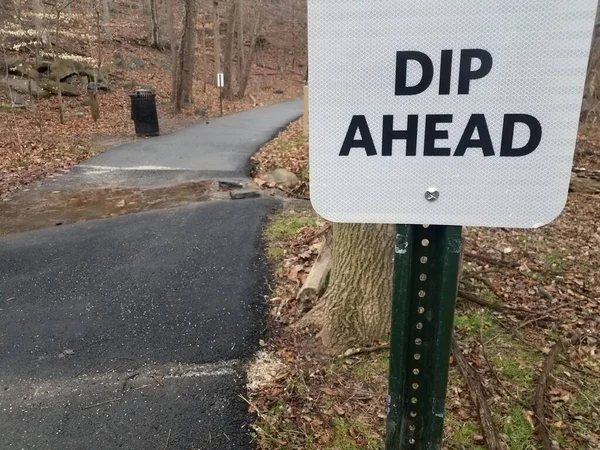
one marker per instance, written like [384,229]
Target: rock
[61,69]
[24,86]
[200,112]
[282,177]
[19,68]
[136,63]
[93,74]
[16,99]
[120,61]
[101,86]
[73,79]
[239,195]
[8,62]
[68,90]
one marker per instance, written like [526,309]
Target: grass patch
[353,435]
[468,321]
[462,434]
[373,368]
[286,225]
[275,253]
[519,431]
[555,261]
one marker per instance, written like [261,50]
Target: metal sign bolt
[432,194]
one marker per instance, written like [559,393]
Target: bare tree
[59,8]
[204,61]
[591,99]
[106,16]
[187,53]
[240,37]
[217,37]
[229,42]
[38,11]
[245,75]
[154,33]
[173,45]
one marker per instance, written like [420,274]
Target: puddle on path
[41,209]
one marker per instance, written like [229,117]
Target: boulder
[101,86]
[73,79]
[94,74]
[68,90]
[119,60]
[282,177]
[136,63]
[61,69]
[24,86]
[16,99]
[8,62]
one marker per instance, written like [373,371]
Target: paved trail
[131,331]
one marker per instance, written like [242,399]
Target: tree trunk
[228,72]
[173,44]
[217,38]
[205,70]
[245,76]
[187,53]
[356,308]
[38,10]
[106,16]
[154,34]
[591,98]
[240,37]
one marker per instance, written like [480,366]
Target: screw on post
[426,266]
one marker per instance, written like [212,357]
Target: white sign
[220,80]
[454,112]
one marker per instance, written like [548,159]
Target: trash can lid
[144,91]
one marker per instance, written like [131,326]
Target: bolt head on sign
[478,100]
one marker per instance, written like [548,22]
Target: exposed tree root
[540,398]
[362,350]
[478,395]
[490,260]
[475,299]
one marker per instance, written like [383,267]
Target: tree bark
[540,398]
[173,44]
[38,10]
[591,96]
[240,37]
[245,76]
[205,70]
[154,33]
[61,113]
[217,38]
[187,53]
[106,16]
[228,70]
[356,308]
[478,396]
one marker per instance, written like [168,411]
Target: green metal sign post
[426,266]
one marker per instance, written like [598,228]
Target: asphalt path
[132,332]
[220,148]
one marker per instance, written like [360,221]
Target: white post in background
[221,85]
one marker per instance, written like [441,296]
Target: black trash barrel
[143,113]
